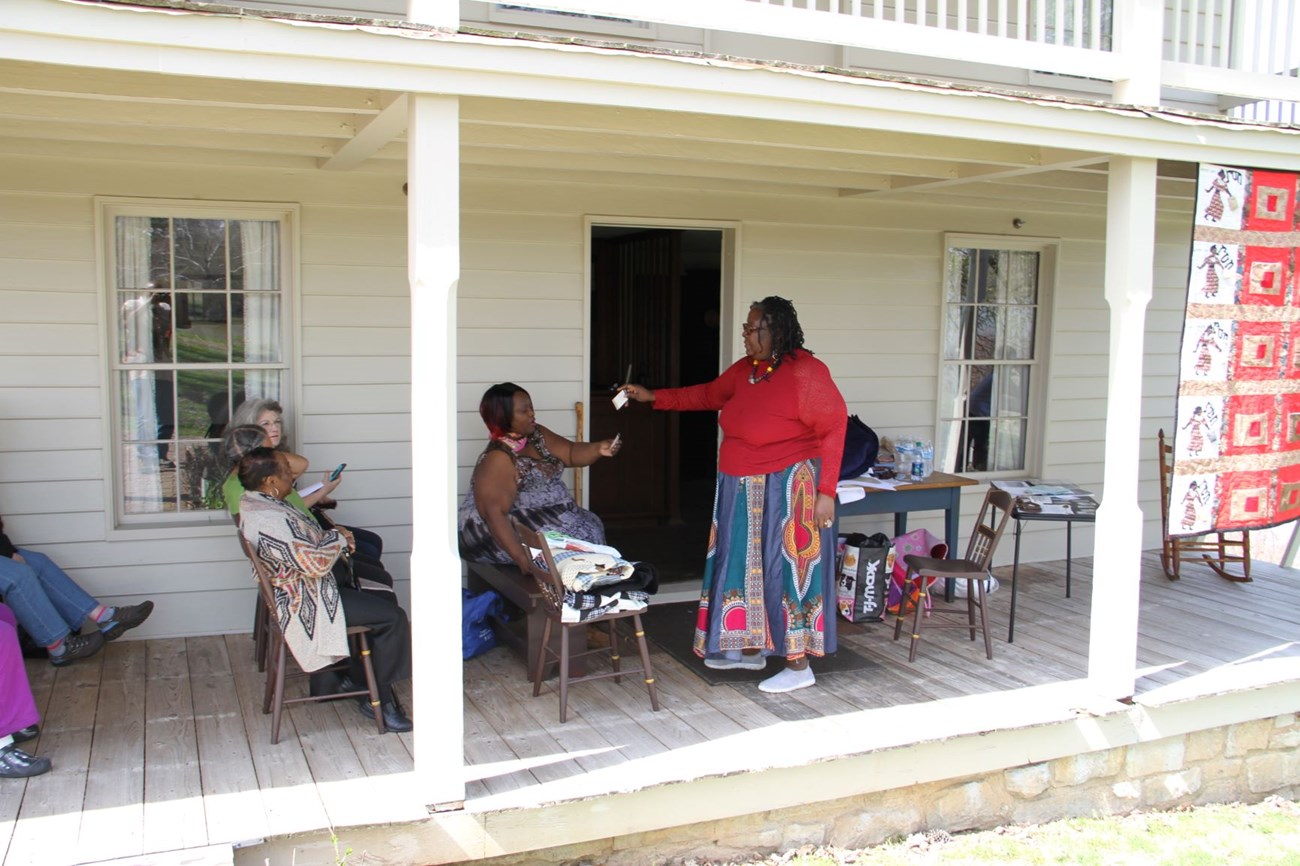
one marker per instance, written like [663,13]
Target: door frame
[729,268]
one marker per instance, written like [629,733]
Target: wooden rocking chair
[1216,550]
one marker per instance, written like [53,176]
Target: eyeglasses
[746,330]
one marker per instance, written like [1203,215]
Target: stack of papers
[853,489]
[1050,497]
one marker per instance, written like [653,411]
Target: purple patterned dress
[17,707]
[542,502]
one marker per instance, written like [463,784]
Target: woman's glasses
[746,330]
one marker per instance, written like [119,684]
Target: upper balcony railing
[1241,51]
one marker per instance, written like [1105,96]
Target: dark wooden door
[636,295]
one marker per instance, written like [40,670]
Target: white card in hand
[620,400]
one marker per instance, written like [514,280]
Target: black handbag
[861,445]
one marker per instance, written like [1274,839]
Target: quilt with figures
[1237,434]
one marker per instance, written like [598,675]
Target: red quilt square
[1287,506]
[1289,439]
[1267,273]
[1250,424]
[1257,351]
[1271,202]
[1246,499]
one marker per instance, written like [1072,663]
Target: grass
[1261,834]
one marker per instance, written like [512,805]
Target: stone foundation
[1243,762]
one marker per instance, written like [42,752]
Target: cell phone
[338,470]
[618,437]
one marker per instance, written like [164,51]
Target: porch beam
[984,173]
[263,49]
[433,250]
[388,125]
[1117,550]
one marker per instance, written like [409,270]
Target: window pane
[147,487]
[255,328]
[200,474]
[990,276]
[144,327]
[148,410]
[986,333]
[1018,337]
[141,252]
[956,331]
[961,287]
[199,250]
[256,262]
[947,445]
[196,390]
[1011,391]
[1008,446]
[1022,277]
[199,341]
[252,384]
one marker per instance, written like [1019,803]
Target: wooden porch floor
[161,745]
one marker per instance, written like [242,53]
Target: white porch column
[433,243]
[1130,260]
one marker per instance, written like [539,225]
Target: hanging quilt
[1237,434]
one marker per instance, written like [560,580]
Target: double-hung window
[991,369]
[198,302]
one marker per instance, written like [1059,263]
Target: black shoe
[78,646]
[395,719]
[30,732]
[126,618]
[17,764]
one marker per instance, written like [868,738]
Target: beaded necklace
[754,377]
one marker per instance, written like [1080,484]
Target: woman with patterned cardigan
[313,610]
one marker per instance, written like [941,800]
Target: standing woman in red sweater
[769,569]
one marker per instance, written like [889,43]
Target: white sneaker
[788,680]
[750,662]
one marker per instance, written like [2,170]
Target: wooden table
[1088,515]
[939,492]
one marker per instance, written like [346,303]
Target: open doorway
[656,301]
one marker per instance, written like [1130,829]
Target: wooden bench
[523,632]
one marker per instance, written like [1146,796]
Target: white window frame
[107,209]
[1048,250]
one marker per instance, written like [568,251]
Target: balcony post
[1117,555]
[435,13]
[1139,41]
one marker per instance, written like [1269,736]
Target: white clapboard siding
[864,272]
[353,338]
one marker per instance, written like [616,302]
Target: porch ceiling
[55,110]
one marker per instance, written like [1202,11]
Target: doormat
[671,628]
[1237,434]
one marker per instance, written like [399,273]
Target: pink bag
[918,541]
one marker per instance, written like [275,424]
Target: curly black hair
[783,321]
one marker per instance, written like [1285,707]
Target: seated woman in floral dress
[520,475]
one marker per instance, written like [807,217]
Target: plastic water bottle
[918,461]
[927,458]
[903,459]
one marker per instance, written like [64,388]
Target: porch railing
[1240,50]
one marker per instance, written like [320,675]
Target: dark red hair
[497,408]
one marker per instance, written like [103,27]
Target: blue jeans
[47,603]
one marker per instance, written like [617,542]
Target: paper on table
[850,494]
